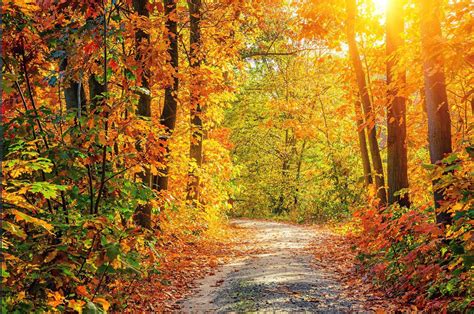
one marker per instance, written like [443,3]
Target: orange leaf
[104,303]
[82,291]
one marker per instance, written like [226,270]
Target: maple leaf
[90,47]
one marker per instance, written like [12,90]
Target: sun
[380,6]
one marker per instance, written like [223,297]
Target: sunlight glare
[380,6]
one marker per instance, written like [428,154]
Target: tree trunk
[75,97]
[363,145]
[397,162]
[195,151]
[74,94]
[366,102]
[298,173]
[285,169]
[96,92]
[439,120]
[143,212]
[168,115]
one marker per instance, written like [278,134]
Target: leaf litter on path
[265,266]
[287,268]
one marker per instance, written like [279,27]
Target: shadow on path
[277,277]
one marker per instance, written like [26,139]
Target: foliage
[288,129]
[84,141]
[75,148]
[407,252]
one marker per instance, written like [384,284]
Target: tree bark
[366,102]
[195,151]
[397,161]
[286,157]
[143,212]
[168,115]
[363,145]
[74,94]
[439,120]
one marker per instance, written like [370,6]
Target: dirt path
[279,275]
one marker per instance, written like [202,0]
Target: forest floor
[285,267]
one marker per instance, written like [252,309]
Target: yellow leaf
[21,295]
[104,303]
[55,298]
[22,216]
[456,208]
[102,138]
[76,305]
[14,229]
[51,255]
[454,264]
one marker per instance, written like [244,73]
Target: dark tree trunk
[168,115]
[75,97]
[74,94]
[439,120]
[96,92]
[195,151]
[363,145]
[397,162]
[366,102]
[143,212]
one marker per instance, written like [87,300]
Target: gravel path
[276,276]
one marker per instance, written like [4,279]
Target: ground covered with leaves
[286,267]
[182,263]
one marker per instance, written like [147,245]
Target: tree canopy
[132,127]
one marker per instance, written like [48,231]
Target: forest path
[277,275]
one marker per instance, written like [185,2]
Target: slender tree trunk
[75,97]
[397,161]
[334,166]
[195,151]
[298,172]
[366,102]
[281,198]
[143,212]
[168,115]
[363,145]
[439,120]
[285,167]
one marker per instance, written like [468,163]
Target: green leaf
[468,261]
[48,190]
[113,250]
[90,308]
[450,159]
[428,166]
[4,273]
[14,229]
[456,248]
[452,167]
[66,269]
